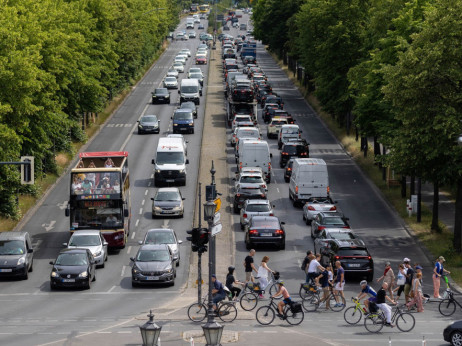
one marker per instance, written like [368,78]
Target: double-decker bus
[100,196]
[194,8]
[204,8]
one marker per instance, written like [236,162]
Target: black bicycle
[227,311]
[375,321]
[293,313]
[448,305]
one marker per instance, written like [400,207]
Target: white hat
[406,260]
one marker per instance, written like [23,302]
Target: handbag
[401,279]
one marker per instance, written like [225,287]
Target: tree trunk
[403,186]
[366,146]
[457,241]
[419,199]
[436,199]
[412,187]
[356,133]
[376,147]
[348,123]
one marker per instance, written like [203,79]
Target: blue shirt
[370,291]
[439,268]
[325,279]
[219,287]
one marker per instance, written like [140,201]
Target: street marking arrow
[49,226]
[62,205]
[165,224]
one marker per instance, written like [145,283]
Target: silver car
[92,240]
[250,180]
[170,83]
[167,202]
[172,73]
[185,51]
[164,236]
[315,205]
[178,66]
[252,207]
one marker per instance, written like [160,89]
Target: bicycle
[226,311]
[449,304]
[307,289]
[353,314]
[336,301]
[272,284]
[249,296]
[375,321]
[293,313]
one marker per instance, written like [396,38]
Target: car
[333,233]
[280,113]
[250,180]
[288,132]
[453,333]
[327,220]
[353,255]
[148,124]
[255,207]
[170,83]
[197,76]
[273,99]
[274,127]
[242,91]
[16,255]
[180,58]
[195,70]
[288,170]
[185,51]
[243,193]
[167,201]
[200,27]
[265,230]
[172,73]
[179,36]
[92,240]
[192,34]
[202,36]
[225,28]
[73,268]
[202,16]
[202,46]
[164,236]
[178,66]
[201,60]
[185,37]
[244,132]
[266,111]
[298,148]
[153,264]
[183,120]
[246,68]
[182,55]
[191,106]
[160,95]
[241,118]
[316,205]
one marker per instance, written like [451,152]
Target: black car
[352,254]
[148,124]
[453,333]
[225,28]
[279,113]
[191,106]
[262,94]
[265,230]
[288,170]
[273,99]
[250,59]
[183,121]
[242,92]
[327,220]
[160,95]
[244,193]
[16,255]
[295,148]
[74,267]
[265,112]
[153,264]
[329,234]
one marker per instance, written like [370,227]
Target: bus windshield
[97,214]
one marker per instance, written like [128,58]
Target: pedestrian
[339,282]
[324,281]
[263,272]
[230,281]
[416,294]
[306,262]
[409,278]
[438,271]
[314,269]
[400,280]
[388,277]
[249,266]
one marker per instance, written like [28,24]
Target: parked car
[148,124]
[164,236]
[316,205]
[255,207]
[160,95]
[265,230]
[73,268]
[327,220]
[167,201]
[16,255]
[153,264]
[92,240]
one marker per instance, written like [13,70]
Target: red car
[201,60]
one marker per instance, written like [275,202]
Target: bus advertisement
[100,196]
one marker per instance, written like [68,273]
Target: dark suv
[244,193]
[352,254]
[160,95]
[242,92]
[328,220]
[294,148]
[273,99]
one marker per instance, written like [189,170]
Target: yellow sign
[197,282]
[218,204]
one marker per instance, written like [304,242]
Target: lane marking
[141,211]
[146,192]
[133,235]
[123,271]
[277,189]
[136,224]
[132,131]
[152,176]
[111,289]
[149,184]
[128,250]
[143,201]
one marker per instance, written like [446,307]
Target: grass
[437,244]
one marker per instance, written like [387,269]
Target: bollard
[158,342]
[424,342]
[389,340]
[191,341]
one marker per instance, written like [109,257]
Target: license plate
[6,270]
[170,180]
[68,280]
[266,234]
[354,265]
[166,212]
[153,278]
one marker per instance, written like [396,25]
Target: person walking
[249,266]
[400,280]
[438,271]
[339,282]
[230,281]
[416,294]
[388,277]
[263,272]
[306,262]
[325,285]
[409,278]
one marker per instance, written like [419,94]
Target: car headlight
[83,274]
[169,271]
[191,124]
[181,170]
[22,260]
[97,254]
[175,124]
[167,96]
[157,208]
[177,208]
[135,269]
[54,274]
[157,170]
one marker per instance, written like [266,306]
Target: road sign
[216,218]
[216,229]
[218,203]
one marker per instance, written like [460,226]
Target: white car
[244,132]
[203,45]
[250,180]
[240,119]
[202,51]
[252,207]
[92,240]
[178,66]
[195,70]
[170,83]
[184,55]
[164,236]
[185,51]
[192,34]
[179,36]
[172,73]
[180,59]
[274,126]
[315,205]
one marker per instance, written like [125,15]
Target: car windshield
[270,224]
[170,79]
[278,122]
[152,256]
[85,240]
[251,180]
[178,64]
[290,131]
[342,235]
[187,105]
[12,247]
[241,119]
[182,115]
[167,196]
[175,157]
[195,76]
[333,221]
[195,70]
[72,259]
[319,200]
[149,119]
[258,208]
[352,252]
[161,91]
[160,238]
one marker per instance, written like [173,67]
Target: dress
[263,277]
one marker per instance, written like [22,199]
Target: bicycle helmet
[364,282]
[280,282]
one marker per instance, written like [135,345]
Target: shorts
[407,289]
[337,286]
[248,276]
[373,299]
[218,298]
[287,300]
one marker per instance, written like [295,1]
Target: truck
[309,179]
[249,49]
[238,13]
[190,23]
[170,162]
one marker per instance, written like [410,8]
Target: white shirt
[313,268]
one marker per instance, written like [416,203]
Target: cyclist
[218,291]
[380,301]
[285,294]
[367,290]
[230,280]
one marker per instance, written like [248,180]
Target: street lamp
[212,333]
[150,331]
[209,210]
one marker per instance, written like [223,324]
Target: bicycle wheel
[273,289]
[227,312]
[294,318]
[248,301]
[373,322]
[336,302]
[405,322]
[265,315]
[353,315]
[305,293]
[197,312]
[311,304]
[447,307]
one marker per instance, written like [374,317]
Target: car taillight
[284,153]
[238,194]
[245,215]
[328,190]
[272,125]
[320,228]
[289,169]
[271,214]
[345,227]
[369,257]
[279,232]
[337,257]
[263,195]
[269,166]
[263,186]
[304,154]
[311,207]
[296,189]
[333,208]
[253,231]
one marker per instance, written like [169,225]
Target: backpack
[304,263]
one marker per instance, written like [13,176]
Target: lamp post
[212,330]
[212,239]
[150,331]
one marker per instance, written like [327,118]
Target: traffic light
[203,236]
[27,170]
[194,239]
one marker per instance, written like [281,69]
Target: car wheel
[178,263]
[26,274]
[283,246]
[173,283]
[456,338]
[286,180]
[312,235]
[308,222]
[304,217]
[134,284]
[88,284]
[31,269]
[139,132]
[192,131]
[248,246]
[153,216]
[281,165]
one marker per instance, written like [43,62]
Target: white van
[289,131]
[189,23]
[170,163]
[190,90]
[309,179]
[240,132]
[255,153]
